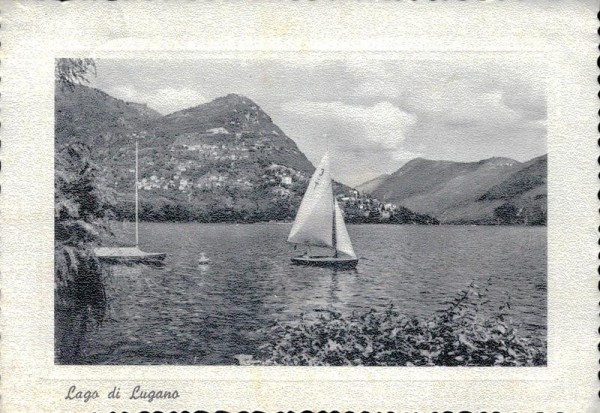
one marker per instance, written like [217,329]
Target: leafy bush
[457,336]
[80,222]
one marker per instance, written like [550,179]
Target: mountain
[232,119]
[87,114]
[530,177]
[224,160]
[491,191]
[371,185]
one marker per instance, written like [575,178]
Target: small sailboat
[131,255]
[320,224]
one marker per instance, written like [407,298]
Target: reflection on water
[191,313]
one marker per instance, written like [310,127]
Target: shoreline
[347,223]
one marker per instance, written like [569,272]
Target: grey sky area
[373,113]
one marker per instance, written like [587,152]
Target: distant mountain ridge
[530,177]
[490,191]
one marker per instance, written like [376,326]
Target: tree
[81,212]
[70,72]
[507,214]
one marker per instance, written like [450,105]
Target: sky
[371,112]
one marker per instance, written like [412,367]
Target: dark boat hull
[326,261]
[157,259]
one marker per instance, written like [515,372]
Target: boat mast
[137,238]
[333,231]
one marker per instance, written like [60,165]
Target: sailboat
[320,223]
[132,255]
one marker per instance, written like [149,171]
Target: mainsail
[313,220]
[314,224]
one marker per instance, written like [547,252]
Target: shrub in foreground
[458,336]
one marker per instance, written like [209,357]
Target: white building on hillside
[216,131]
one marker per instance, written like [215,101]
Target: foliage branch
[458,336]
[81,214]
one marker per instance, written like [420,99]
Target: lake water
[190,314]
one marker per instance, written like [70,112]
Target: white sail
[343,243]
[313,223]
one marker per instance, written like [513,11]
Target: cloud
[458,89]
[469,117]
[529,102]
[466,108]
[462,102]
[381,125]
[378,110]
[165,100]
[363,140]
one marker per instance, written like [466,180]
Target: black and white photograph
[322,206]
[301,210]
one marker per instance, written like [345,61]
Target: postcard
[299,206]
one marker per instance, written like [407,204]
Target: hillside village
[191,158]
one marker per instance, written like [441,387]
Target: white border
[34,34]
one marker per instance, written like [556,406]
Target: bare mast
[333,228]
[137,237]
[333,231]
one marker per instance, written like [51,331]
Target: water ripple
[186,313]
